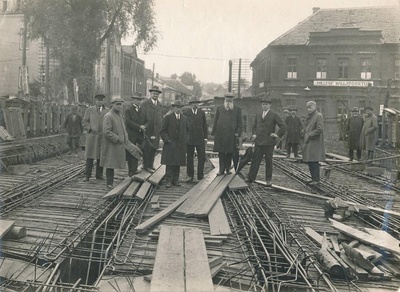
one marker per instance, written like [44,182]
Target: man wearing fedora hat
[265,140]
[226,129]
[354,126]
[173,134]
[196,139]
[294,127]
[369,132]
[74,129]
[151,114]
[135,131]
[92,123]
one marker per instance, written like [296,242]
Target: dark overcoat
[294,127]
[197,127]
[73,125]
[151,116]
[93,123]
[113,143]
[353,128]
[226,125]
[264,127]
[173,133]
[314,146]
[369,133]
[132,123]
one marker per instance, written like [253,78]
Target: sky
[201,36]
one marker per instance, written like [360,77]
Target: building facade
[340,58]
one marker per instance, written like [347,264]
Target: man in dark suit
[265,140]
[226,129]
[294,127]
[74,129]
[196,139]
[135,130]
[151,114]
[173,133]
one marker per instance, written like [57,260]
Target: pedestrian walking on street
[353,129]
[151,114]
[135,130]
[226,129]
[92,123]
[265,140]
[313,139]
[369,133]
[74,129]
[196,140]
[173,133]
[294,127]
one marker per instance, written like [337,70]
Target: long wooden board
[5,226]
[119,189]
[131,190]
[142,192]
[157,176]
[237,184]
[142,176]
[218,221]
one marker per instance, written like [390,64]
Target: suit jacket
[151,116]
[197,127]
[132,123]
[93,123]
[173,133]
[73,125]
[264,127]
[294,127]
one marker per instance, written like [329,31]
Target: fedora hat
[369,108]
[194,101]
[177,103]
[100,96]
[264,99]
[354,109]
[137,95]
[155,88]
[293,109]
[229,95]
[117,99]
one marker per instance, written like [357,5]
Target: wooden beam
[157,176]
[142,192]
[119,189]
[142,176]
[131,190]
[5,226]
[237,184]
[218,221]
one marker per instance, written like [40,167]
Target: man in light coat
[173,134]
[369,133]
[226,129]
[353,128]
[92,123]
[313,139]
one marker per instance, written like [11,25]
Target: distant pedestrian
[353,129]
[226,130]
[196,140]
[173,133]
[151,114]
[74,129]
[313,138]
[93,123]
[294,127]
[114,138]
[265,140]
[135,130]
[369,133]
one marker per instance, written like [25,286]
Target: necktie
[178,116]
[154,102]
[264,114]
[195,112]
[100,109]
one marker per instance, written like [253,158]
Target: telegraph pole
[152,77]
[239,75]
[230,77]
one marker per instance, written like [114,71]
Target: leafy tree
[174,76]
[75,31]
[190,79]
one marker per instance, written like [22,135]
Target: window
[342,108]
[292,68]
[321,106]
[343,68]
[321,69]
[397,69]
[366,68]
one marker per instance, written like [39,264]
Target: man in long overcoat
[226,129]
[196,140]
[173,134]
[151,114]
[74,129]
[114,139]
[294,127]
[93,122]
[353,128]
[369,133]
[135,131]
[313,139]
[265,140]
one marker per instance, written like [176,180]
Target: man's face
[99,102]
[311,108]
[176,109]
[136,101]
[368,111]
[194,106]
[265,106]
[355,114]
[117,106]
[154,95]
[293,113]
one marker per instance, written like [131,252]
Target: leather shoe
[110,187]
[314,183]
[85,179]
[247,180]
[177,184]
[220,173]
[168,185]
[200,177]
[268,183]
[149,170]
[228,172]
[100,177]
[189,179]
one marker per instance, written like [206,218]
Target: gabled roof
[178,86]
[386,19]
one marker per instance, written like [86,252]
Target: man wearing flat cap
[173,134]
[74,129]
[196,139]
[294,127]
[369,132]
[151,114]
[226,129]
[135,131]
[354,126]
[92,123]
[265,140]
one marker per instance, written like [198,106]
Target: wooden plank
[355,269]
[197,269]
[237,184]
[157,161]
[215,270]
[335,244]
[119,189]
[337,156]
[142,192]
[154,199]
[157,176]
[215,261]
[374,255]
[142,176]
[218,221]
[131,190]
[357,257]
[294,191]
[5,226]
[168,273]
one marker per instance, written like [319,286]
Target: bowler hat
[137,95]
[229,95]
[117,99]
[264,99]
[194,101]
[369,108]
[354,109]
[100,96]
[177,103]
[293,109]
[155,88]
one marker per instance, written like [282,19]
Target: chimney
[315,9]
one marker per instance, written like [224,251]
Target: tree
[75,31]
[190,79]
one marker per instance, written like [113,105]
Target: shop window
[321,69]
[343,65]
[292,68]
[366,68]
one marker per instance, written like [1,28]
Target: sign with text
[343,83]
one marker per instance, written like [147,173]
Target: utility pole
[239,76]
[230,77]
[23,72]
[152,77]
[385,105]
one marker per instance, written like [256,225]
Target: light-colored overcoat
[313,144]
[93,123]
[369,133]
[113,141]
